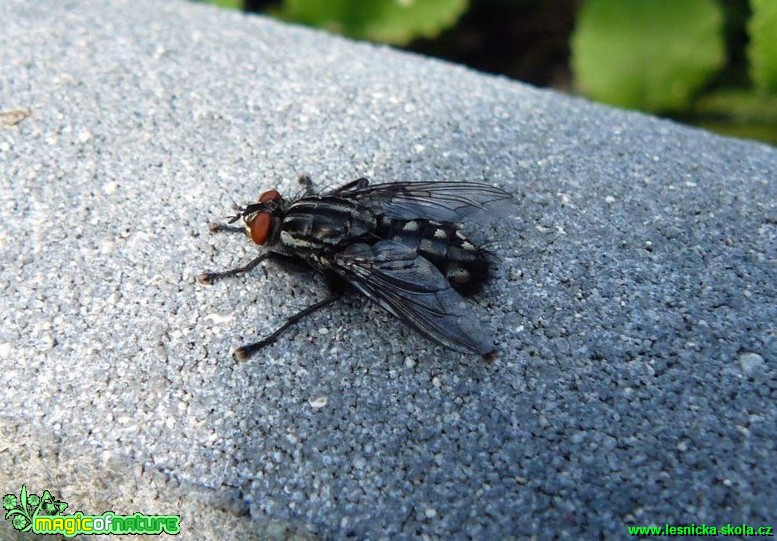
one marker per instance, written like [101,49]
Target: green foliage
[230,4]
[388,21]
[647,54]
[762,51]
[738,112]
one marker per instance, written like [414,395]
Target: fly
[399,244]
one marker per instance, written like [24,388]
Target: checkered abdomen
[464,264]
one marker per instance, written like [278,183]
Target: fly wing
[410,287]
[441,201]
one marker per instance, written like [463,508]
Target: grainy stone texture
[634,306]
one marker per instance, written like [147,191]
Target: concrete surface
[634,306]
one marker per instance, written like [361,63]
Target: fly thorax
[323,222]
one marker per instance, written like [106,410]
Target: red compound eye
[269,195]
[260,226]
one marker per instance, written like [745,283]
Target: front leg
[224,228]
[287,262]
[210,277]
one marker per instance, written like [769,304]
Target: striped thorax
[324,222]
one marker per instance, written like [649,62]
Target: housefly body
[399,244]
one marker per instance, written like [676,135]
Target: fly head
[262,219]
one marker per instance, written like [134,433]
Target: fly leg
[358,184]
[210,277]
[287,262]
[224,228]
[307,184]
[337,287]
[244,352]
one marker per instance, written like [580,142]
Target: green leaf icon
[18,512]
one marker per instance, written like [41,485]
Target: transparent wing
[441,201]
[410,287]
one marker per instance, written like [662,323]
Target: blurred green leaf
[647,54]
[231,4]
[738,105]
[387,21]
[762,51]
[737,112]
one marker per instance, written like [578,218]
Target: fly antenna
[237,208]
